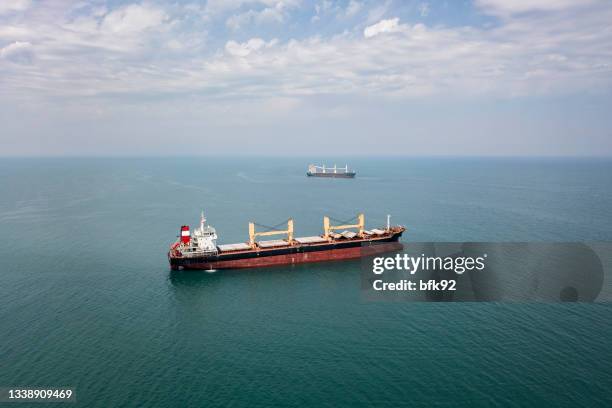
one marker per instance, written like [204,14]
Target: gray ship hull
[350,174]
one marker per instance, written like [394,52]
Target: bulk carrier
[333,172]
[200,250]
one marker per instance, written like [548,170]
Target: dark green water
[87,299]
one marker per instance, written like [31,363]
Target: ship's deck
[373,235]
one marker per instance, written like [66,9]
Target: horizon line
[309,156]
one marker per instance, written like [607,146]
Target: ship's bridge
[205,237]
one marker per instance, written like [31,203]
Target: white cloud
[97,56]
[220,6]
[236,21]
[505,7]
[246,48]
[424,9]
[156,63]
[126,29]
[378,12]
[323,7]
[133,18]
[268,14]
[276,13]
[18,51]
[353,8]
[328,8]
[10,32]
[383,26]
[9,6]
[216,7]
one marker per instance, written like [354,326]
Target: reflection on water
[194,278]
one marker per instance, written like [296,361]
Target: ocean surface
[87,299]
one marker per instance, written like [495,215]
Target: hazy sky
[297,77]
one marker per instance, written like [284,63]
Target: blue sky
[296,77]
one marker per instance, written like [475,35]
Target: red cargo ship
[201,251]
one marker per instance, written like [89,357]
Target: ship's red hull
[298,258]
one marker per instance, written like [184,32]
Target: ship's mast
[202,221]
[388,222]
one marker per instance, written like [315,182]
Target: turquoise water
[87,299]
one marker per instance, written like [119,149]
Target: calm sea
[87,299]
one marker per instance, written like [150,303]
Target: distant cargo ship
[322,171]
[201,251]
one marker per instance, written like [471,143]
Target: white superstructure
[203,240]
[322,169]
